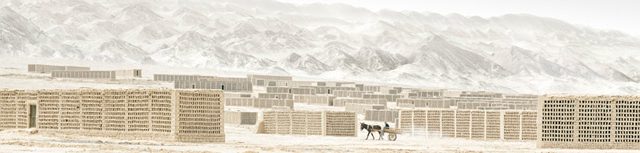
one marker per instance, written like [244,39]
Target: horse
[371,128]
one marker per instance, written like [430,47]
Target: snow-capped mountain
[515,52]
[116,50]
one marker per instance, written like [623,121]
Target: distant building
[223,83]
[178,77]
[107,75]
[41,68]
[424,93]
[269,80]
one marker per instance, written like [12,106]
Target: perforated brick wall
[199,116]
[323,100]
[275,95]
[433,123]
[529,125]
[420,122]
[291,90]
[349,93]
[492,130]
[511,126]
[448,123]
[182,115]
[463,124]
[361,108]
[239,101]
[310,123]
[344,101]
[387,97]
[341,124]
[381,115]
[590,122]
[243,118]
[478,123]
[13,109]
[474,124]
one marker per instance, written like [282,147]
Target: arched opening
[222,87]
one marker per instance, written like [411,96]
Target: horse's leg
[374,137]
[380,133]
[367,136]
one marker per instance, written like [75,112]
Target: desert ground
[243,139]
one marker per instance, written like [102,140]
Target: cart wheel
[393,137]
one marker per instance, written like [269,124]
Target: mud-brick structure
[177,77]
[128,74]
[291,90]
[210,82]
[521,101]
[232,84]
[259,102]
[275,95]
[424,93]
[310,123]
[426,103]
[157,114]
[384,115]
[269,80]
[323,100]
[350,93]
[328,89]
[14,113]
[334,84]
[510,125]
[361,108]
[236,95]
[382,89]
[388,97]
[40,68]
[345,101]
[589,122]
[242,118]
[102,75]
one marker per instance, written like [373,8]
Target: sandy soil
[243,139]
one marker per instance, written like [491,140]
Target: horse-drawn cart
[392,133]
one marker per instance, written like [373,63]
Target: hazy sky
[622,15]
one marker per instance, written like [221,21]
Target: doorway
[32,116]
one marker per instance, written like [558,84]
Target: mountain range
[513,53]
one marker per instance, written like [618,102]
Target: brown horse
[371,128]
